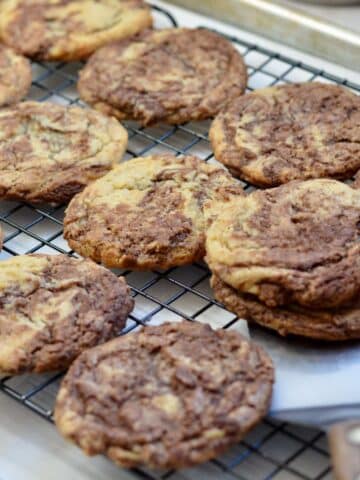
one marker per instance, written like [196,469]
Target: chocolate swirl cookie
[166,397]
[298,243]
[171,76]
[15,76]
[336,324]
[148,213]
[50,152]
[69,29]
[53,307]
[289,132]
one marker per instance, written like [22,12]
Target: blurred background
[342,12]
[325,28]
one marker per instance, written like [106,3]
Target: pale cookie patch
[48,152]
[174,76]
[54,307]
[148,212]
[165,397]
[15,76]
[69,30]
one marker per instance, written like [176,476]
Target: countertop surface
[30,448]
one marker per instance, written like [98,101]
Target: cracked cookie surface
[174,76]
[166,397]
[50,152]
[15,76]
[298,243]
[336,324]
[53,307]
[148,212]
[67,30]
[290,132]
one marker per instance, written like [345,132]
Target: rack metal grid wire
[274,450]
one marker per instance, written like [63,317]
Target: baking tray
[288,23]
[274,450]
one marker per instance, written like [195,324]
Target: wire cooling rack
[273,450]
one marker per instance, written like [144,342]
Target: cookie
[290,132]
[341,323]
[173,76]
[15,76]
[50,152]
[298,243]
[170,396]
[67,30]
[53,307]
[147,213]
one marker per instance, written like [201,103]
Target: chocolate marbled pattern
[173,76]
[297,243]
[53,307]
[49,152]
[289,132]
[69,30]
[166,397]
[148,213]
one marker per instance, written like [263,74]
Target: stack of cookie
[288,258]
